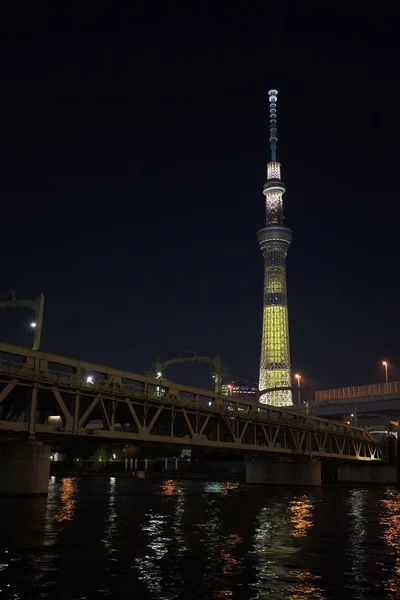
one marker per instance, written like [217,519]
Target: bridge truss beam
[46,395]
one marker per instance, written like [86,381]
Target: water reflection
[231,565]
[178,526]
[210,528]
[50,532]
[220,487]
[390,519]
[301,515]
[47,563]
[179,539]
[149,566]
[271,549]
[357,538]
[67,492]
[111,523]
[219,549]
[170,488]
[276,551]
[304,588]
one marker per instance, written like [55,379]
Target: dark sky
[133,151]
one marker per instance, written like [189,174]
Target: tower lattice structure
[274,240]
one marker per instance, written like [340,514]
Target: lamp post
[298,377]
[385,364]
[37,307]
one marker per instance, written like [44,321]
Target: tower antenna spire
[273,126]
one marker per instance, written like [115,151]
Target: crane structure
[191,357]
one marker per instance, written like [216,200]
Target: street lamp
[33,324]
[385,364]
[298,377]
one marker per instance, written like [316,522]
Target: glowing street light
[89,379]
[385,364]
[33,324]
[298,377]
[159,375]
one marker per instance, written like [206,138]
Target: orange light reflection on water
[231,565]
[68,488]
[168,488]
[390,520]
[305,588]
[301,515]
[223,594]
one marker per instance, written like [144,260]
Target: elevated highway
[365,402]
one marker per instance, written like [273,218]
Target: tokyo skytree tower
[274,240]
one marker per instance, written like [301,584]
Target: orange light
[384,363]
[298,376]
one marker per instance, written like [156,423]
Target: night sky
[133,153]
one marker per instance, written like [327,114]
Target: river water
[110,537]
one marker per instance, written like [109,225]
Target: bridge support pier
[24,468]
[361,473]
[280,472]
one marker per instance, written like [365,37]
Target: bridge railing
[266,414]
[358,391]
[52,376]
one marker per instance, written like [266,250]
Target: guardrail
[358,391]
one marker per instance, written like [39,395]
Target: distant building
[239,388]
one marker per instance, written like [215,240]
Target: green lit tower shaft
[274,240]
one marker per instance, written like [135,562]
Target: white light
[54,419]
[209,403]
[114,456]
[159,375]
[273,170]
[89,379]
[33,324]
[352,415]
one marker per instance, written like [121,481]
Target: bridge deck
[43,394]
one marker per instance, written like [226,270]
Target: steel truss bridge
[43,395]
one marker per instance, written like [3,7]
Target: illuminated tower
[274,240]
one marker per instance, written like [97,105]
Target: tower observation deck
[274,240]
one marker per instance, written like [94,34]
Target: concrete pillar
[24,468]
[364,472]
[284,472]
